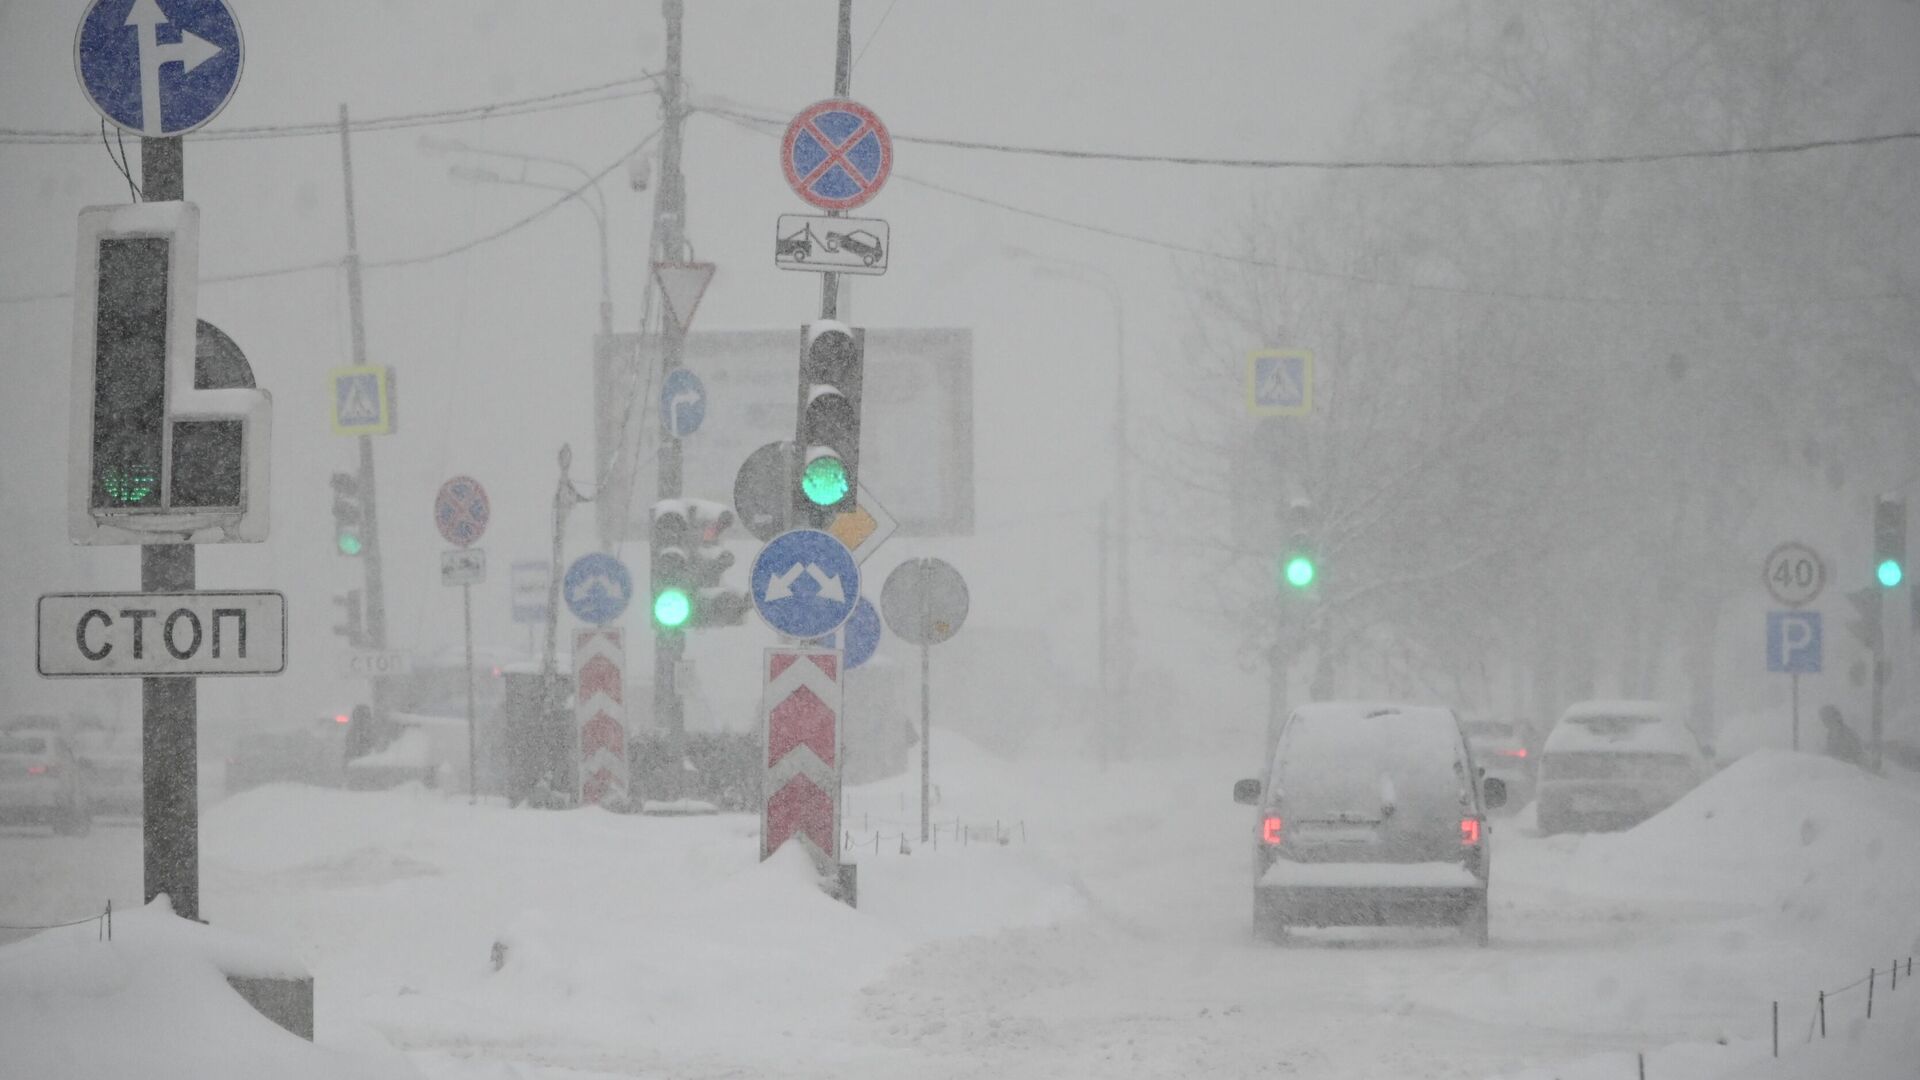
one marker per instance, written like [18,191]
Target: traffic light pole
[376,603]
[842,86]
[669,242]
[169,737]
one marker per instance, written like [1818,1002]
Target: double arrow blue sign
[805,583]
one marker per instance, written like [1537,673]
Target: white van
[1614,764]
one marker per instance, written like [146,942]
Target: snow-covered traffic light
[1300,559]
[827,434]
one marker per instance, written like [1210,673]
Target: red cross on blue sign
[836,154]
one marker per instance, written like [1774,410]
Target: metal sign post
[925,601]
[461,511]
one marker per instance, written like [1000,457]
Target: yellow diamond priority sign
[863,528]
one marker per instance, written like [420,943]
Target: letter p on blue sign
[1793,642]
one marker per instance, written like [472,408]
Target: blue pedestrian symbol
[597,588]
[805,583]
[357,400]
[1793,642]
[859,638]
[683,403]
[158,67]
[1280,382]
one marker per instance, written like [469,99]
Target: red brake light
[1469,832]
[1520,753]
[342,718]
[36,770]
[1270,831]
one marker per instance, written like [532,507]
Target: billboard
[916,427]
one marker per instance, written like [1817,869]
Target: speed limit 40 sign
[1795,574]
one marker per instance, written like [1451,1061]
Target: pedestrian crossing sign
[362,401]
[1280,382]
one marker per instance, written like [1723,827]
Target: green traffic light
[349,543]
[1889,572]
[672,608]
[1299,571]
[127,486]
[825,481]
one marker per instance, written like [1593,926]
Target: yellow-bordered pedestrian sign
[1280,382]
[362,401]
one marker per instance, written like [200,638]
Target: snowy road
[1114,943]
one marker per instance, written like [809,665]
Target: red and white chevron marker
[801,791]
[599,659]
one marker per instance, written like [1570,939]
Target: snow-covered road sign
[130,75]
[1280,382]
[461,510]
[142,634]
[600,660]
[805,583]
[463,566]
[801,732]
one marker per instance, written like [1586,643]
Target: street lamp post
[1117,662]
[598,208]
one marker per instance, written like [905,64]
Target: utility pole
[376,602]
[169,736]
[669,244]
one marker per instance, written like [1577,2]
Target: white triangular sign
[682,284]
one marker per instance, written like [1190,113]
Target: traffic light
[349,514]
[827,435]
[352,625]
[130,373]
[1868,604]
[688,561]
[1299,561]
[1889,541]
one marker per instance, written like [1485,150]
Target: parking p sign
[1793,642]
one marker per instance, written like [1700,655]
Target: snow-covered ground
[1106,937]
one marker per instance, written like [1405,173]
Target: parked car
[1504,751]
[40,782]
[1371,815]
[109,755]
[1614,764]
[314,754]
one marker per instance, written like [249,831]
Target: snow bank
[154,1003]
[1818,844]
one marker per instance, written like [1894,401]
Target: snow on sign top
[836,154]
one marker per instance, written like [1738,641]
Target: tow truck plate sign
[141,634]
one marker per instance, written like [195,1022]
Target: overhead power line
[1346,165]
[599,93]
[402,260]
[758,128]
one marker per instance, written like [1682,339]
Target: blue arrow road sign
[683,402]
[597,588]
[805,583]
[158,67]
[859,638]
[1793,642]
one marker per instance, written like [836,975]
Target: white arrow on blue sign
[147,86]
[683,402]
[805,583]
[597,588]
[1793,642]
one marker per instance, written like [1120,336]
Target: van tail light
[1470,832]
[41,770]
[1519,753]
[1270,831]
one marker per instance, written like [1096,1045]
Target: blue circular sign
[158,67]
[683,403]
[597,588]
[805,583]
[860,638]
